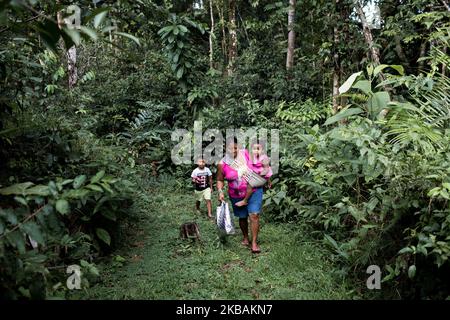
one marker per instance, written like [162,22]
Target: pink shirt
[237,188]
[258,167]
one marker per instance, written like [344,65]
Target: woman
[236,191]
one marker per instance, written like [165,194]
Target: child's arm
[193,178]
[211,182]
[269,183]
[266,162]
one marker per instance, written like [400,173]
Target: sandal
[256,251]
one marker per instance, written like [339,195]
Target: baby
[260,165]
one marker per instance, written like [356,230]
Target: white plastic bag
[224,219]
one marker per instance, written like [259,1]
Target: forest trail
[159,265]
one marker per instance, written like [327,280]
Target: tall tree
[222,26]
[336,62]
[232,30]
[291,35]
[211,35]
[71,54]
[374,52]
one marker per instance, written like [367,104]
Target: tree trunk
[71,55]
[400,52]
[336,70]
[423,51]
[232,53]
[211,35]
[374,52]
[224,37]
[291,35]
[71,66]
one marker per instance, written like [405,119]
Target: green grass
[159,265]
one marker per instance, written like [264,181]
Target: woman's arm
[220,183]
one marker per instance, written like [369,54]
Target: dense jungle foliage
[88,104]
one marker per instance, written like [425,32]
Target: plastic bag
[224,219]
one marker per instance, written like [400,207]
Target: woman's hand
[220,183]
[221,196]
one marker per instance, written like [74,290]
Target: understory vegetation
[87,113]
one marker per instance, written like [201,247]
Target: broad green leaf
[79,181]
[34,231]
[129,36]
[348,84]
[18,188]
[100,203]
[74,36]
[49,32]
[103,235]
[165,29]
[21,200]
[378,101]
[343,115]
[399,69]
[38,190]
[67,181]
[98,176]
[370,70]
[99,18]
[10,215]
[180,72]
[76,194]
[94,13]
[412,271]
[364,86]
[406,250]
[107,187]
[84,263]
[62,206]
[94,187]
[379,68]
[17,240]
[89,32]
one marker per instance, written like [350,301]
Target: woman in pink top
[260,164]
[237,189]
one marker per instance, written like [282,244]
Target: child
[260,165]
[202,180]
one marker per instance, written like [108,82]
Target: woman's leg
[254,208]
[242,214]
[243,224]
[254,219]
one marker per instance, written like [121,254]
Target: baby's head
[201,163]
[258,148]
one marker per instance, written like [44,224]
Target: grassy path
[160,266]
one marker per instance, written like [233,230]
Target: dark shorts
[254,204]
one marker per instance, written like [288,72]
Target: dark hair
[230,140]
[262,142]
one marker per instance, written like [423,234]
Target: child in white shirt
[202,180]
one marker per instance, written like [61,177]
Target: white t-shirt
[201,178]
